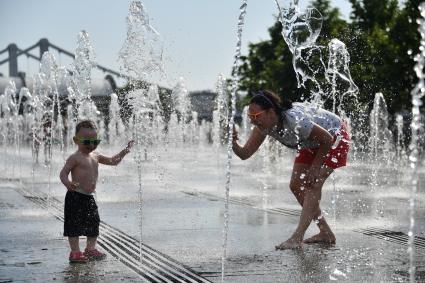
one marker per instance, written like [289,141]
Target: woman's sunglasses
[254,116]
[89,141]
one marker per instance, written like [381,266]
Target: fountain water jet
[300,31]
[338,73]
[116,127]
[141,58]
[182,106]
[416,125]
[234,86]
[46,126]
[220,113]
[83,64]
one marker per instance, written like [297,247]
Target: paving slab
[32,248]
[182,224]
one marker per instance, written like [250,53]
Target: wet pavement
[182,224]
[34,250]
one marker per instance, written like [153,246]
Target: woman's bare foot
[289,244]
[323,238]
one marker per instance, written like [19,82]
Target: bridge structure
[43,45]
[101,89]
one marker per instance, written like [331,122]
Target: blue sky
[199,35]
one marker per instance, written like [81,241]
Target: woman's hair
[267,99]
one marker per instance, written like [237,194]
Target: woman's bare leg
[325,235]
[309,197]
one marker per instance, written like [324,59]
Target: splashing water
[300,31]
[338,73]
[342,88]
[83,64]
[141,58]
[137,99]
[11,110]
[63,81]
[400,156]
[23,121]
[24,99]
[220,113]
[115,126]
[381,137]
[416,125]
[142,53]
[400,140]
[47,90]
[380,143]
[237,55]
[183,109]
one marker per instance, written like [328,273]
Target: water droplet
[339,273]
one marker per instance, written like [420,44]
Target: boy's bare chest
[89,164]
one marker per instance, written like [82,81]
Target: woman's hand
[234,136]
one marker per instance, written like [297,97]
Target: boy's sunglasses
[254,116]
[89,141]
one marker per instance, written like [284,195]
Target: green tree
[369,14]
[269,63]
[380,51]
[382,39]
[405,33]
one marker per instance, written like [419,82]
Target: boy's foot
[322,238]
[94,254]
[75,257]
[289,244]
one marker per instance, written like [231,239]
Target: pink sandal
[76,257]
[94,254]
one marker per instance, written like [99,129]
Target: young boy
[81,215]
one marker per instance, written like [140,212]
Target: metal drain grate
[392,236]
[387,235]
[156,267]
[7,205]
[243,201]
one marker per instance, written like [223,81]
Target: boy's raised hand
[129,146]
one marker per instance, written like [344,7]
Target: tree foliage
[381,37]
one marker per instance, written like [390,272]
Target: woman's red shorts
[336,157]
